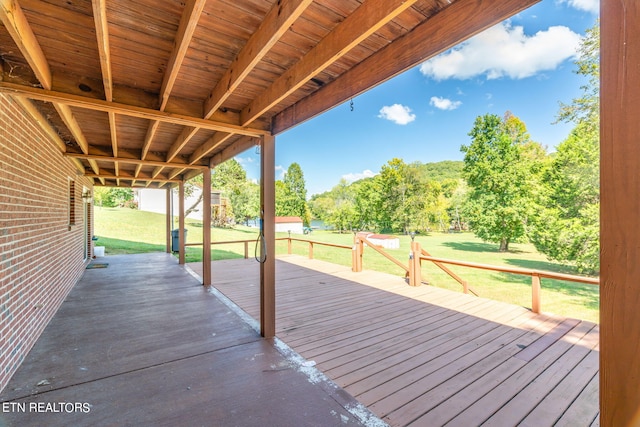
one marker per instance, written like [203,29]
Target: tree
[291,199]
[499,168]
[112,197]
[567,226]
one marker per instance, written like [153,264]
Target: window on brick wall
[72,202]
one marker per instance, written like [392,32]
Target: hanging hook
[351,104]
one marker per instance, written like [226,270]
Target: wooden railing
[413,269]
[536,275]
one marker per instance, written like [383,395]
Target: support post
[268,210]
[415,270]
[356,255]
[535,293]
[169,218]
[181,236]
[206,227]
[619,213]
[310,250]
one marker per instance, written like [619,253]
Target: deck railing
[413,269]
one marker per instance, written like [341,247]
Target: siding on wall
[41,256]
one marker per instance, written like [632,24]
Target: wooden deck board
[144,344]
[426,356]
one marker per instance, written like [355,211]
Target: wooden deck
[425,356]
[142,343]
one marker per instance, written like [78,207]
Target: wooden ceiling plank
[102,36]
[275,24]
[72,124]
[151,131]
[364,21]
[188,23]
[124,109]
[232,151]
[16,23]
[138,169]
[156,171]
[462,19]
[175,173]
[132,161]
[44,123]
[182,140]
[210,145]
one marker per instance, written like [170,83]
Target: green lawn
[131,231]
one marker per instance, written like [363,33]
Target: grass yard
[131,231]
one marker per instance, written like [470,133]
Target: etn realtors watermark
[46,407]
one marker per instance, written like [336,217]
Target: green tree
[112,197]
[499,167]
[567,226]
[293,195]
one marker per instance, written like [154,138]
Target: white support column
[169,218]
[206,228]
[268,209]
[181,236]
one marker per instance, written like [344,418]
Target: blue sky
[523,65]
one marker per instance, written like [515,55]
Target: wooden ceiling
[144,92]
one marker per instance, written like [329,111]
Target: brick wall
[41,255]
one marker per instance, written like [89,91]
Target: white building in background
[153,200]
[291,224]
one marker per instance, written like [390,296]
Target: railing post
[535,293]
[310,250]
[415,272]
[465,287]
[289,245]
[246,250]
[356,255]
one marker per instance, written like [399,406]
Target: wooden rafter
[132,161]
[124,109]
[102,36]
[44,124]
[211,144]
[182,140]
[133,179]
[188,23]
[15,22]
[233,150]
[277,21]
[363,22]
[443,30]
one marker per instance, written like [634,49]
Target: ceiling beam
[232,151]
[182,140]
[275,24]
[132,161]
[359,25]
[211,144]
[104,175]
[102,36]
[457,22]
[44,123]
[72,124]
[124,109]
[15,22]
[188,23]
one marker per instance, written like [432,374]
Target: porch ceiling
[144,93]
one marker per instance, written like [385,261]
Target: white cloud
[592,6]
[351,177]
[243,160]
[282,171]
[503,50]
[444,103]
[397,113]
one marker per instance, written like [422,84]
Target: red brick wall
[41,256]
